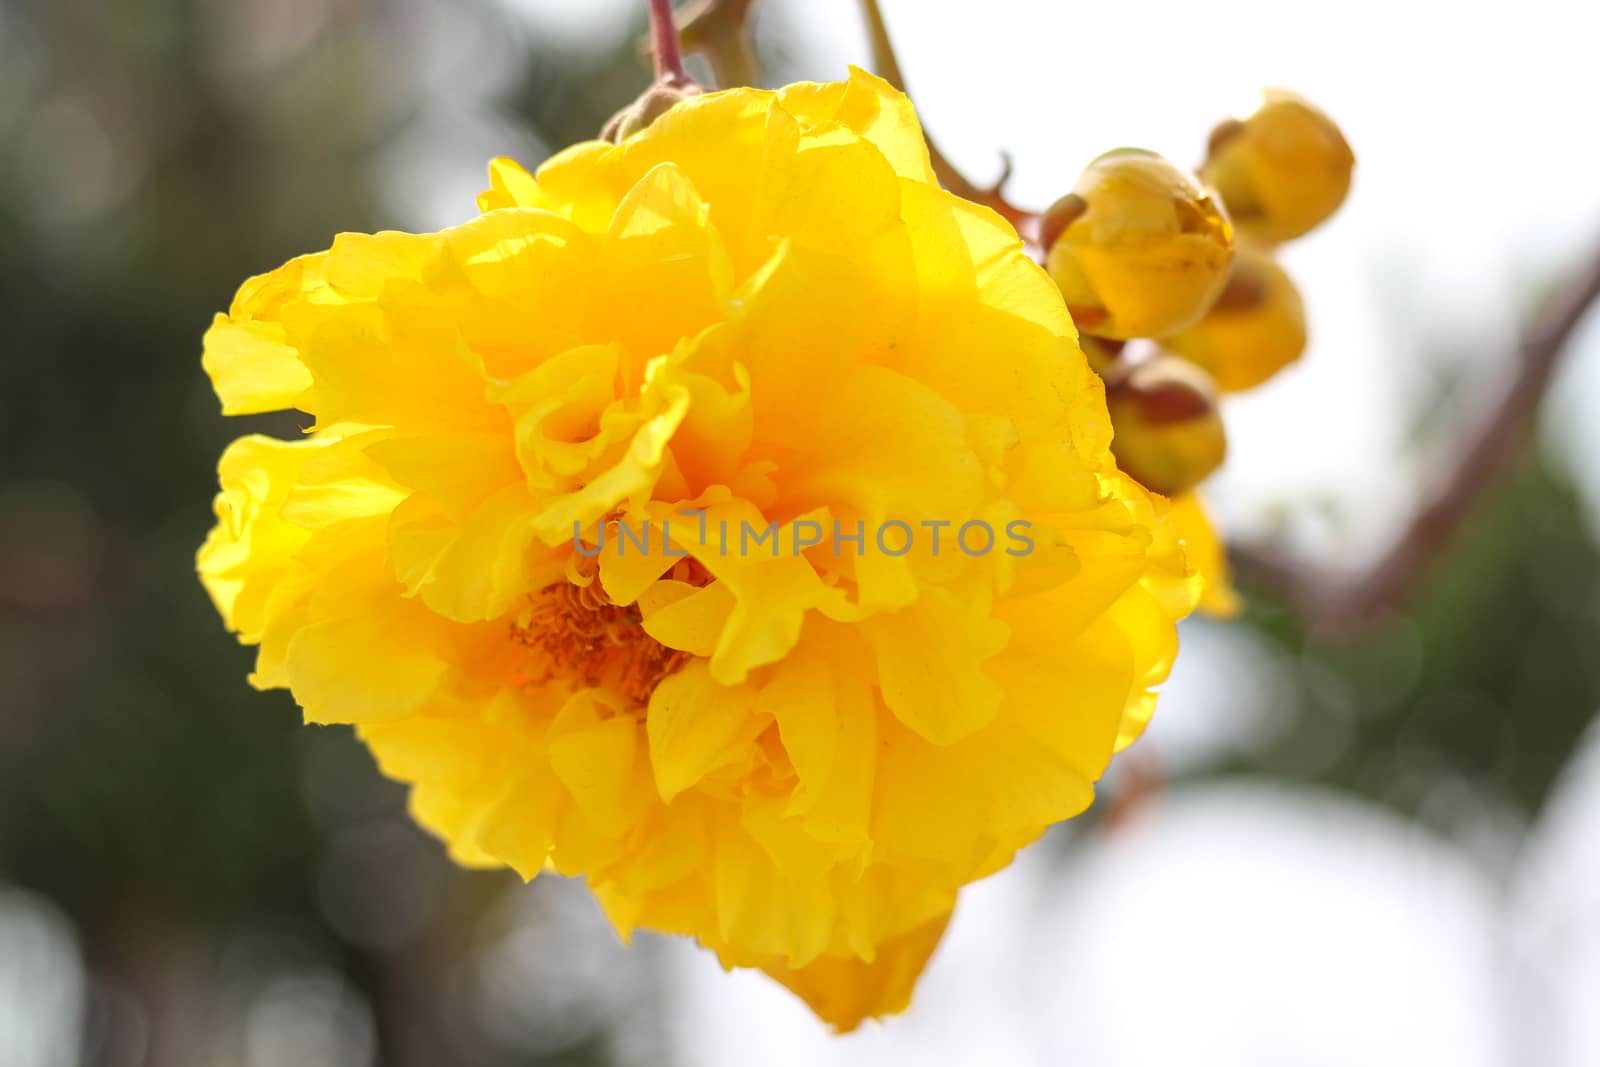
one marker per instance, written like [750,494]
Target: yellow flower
[761,307]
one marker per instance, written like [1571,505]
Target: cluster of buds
[1183,264]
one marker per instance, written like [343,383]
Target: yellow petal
[365,667]
[664,248]
[875,110]
[761,910]
[509,186]
[1207,554]
[520,829]
[478,568]
[246,554]
[694,622]
[893,448]
[599,766]
[252,364]
[845,991]
[801,697]
[930,666]
[697,725]
[252,368]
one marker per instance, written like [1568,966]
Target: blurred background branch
[1345,603]
[722,32]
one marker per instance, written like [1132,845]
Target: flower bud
[1255,329]
[1166,430]
[1138,248]
[1282,170]
[651,105]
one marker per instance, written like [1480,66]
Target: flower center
[580,635]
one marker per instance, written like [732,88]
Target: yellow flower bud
[1138,247]
[1282,170]
[1166,430]
[1255,329]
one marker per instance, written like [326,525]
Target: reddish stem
[668,48]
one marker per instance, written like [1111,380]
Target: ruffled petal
[697,725]
[846,991]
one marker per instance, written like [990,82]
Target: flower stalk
[672,82]
[667,48]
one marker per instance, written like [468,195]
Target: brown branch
[1348,603]
[883,57]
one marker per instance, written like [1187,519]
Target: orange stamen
[584,637]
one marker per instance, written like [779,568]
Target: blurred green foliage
[1486,683]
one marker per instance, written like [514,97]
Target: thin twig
[666,48]
[720,30]
[1348,603]
[883,57]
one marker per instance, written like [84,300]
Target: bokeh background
[1364,852]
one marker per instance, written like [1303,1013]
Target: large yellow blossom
[762,307]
